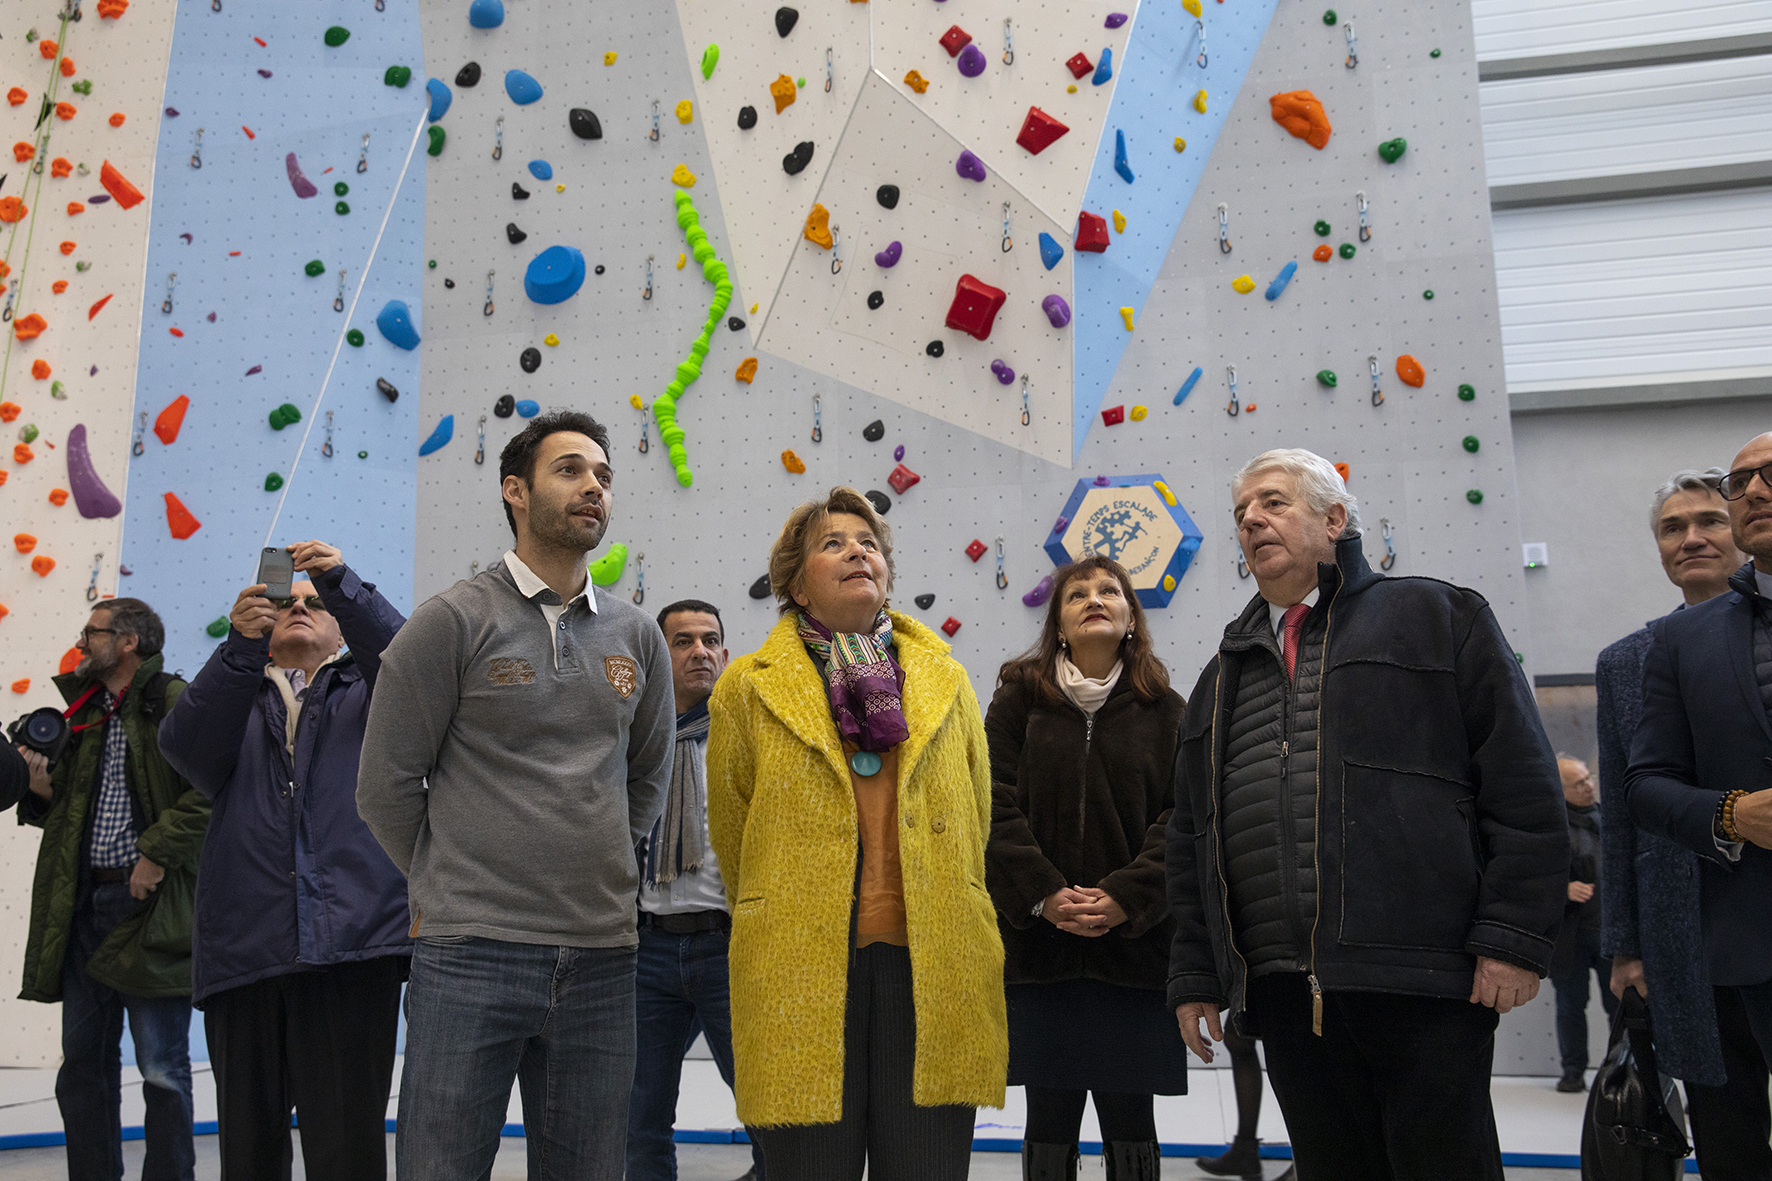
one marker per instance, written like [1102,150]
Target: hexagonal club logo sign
[1136,521]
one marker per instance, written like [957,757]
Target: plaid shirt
[113,815]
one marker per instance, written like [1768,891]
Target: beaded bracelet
[1726,815]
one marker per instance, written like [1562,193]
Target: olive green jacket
[149,954]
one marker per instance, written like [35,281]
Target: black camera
[44,731]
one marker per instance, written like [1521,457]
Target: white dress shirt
[528,585]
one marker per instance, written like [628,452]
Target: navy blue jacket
[291,880]
[1649,908]
[1704,732]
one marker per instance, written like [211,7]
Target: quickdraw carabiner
[817,419]
[1242,565]
[829,71]
[1353,53]
[1026,416]
[98,562]
[140,429]
[1224,228]
[363,156]
[647,293]
[197,150]
[1377,394]
[487,310]
[166,304]
[480,452]
[836,251]
[498,139]
[1365,230]
[639,579]
[326,447]
[645,434]
[1008,242]
[1008,44]
[654,136]
[1200,28]
[1390,551]
[1002,578]
[338,303]
[1235,407]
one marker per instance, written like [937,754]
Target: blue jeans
[558,1020]
[1572,990]
[89,1087]
[680,984]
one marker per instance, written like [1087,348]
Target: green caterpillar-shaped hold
[664,407]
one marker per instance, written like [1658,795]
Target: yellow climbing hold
[1126,315]
[753,309]
[1200,101]
[784,92]
[680,175]
[1162,488]
[818,227]
[609,57]
[1180,144]
[1138,413]
[916,82]
[685,111]
[1242,284]
[682,261]
[634,401]
[550,340]
[1169,579]
[559,188]
[1071,89]
[1119,222]
[1192,6]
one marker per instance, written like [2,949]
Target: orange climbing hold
[66,111]
[747,370]
[67,248]
[916,82]
[166,427]
[1323,253]
[67,67]
[22,685]
[3,611]
[248,131]
[793,463]
[70,660]
[12,209]
[41,565]
[93,310]
[60,167]
[1341,469]
[75,207]
[116,118]
[3,475]
[178,332]
[22,453]
[9,411]
[112,9]
[59,286]
[39,369]
[1299,112]
[17,96]
[29,327]
[784,92]
[22,151]
[24,543]
[58,496]
[48,48]
[1410,372]
[179,518]
[818,227]
[127,195]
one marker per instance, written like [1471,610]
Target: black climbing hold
[881,502]
[747,118]
[887,196]
[584,123]
[935,348]
[514,234]
[797,159]
[734,323]
[875,299]
[468,75]
[924,602]
[760,588]
[530,360]
[599,268]
[449,283]
[387,389]
[505,406]
[785,18]
[518,192]
[874,431]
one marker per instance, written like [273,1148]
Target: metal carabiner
[381,5]
[1026,417]
[1234,408]
[363,156]
[1242,565]
[1353,55]
[140,429]
[6,316]
[829,71]
[473,567]
[647,293]
[42,151]
[197,150]
[215,5]
[1365,230]
[817,419]
[1390,551]
[498,139]
[166,304]
[98,561]
[1200,28]
[645,434]
[1377,394]
[1008,242]
[639,579]
[487,310]
[654,136]
[1002,578]
[1224,228]
[480,452]
[338,304]
[836,251]
[1008,44]
[326,448]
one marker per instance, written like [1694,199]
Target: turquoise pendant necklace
[864,763]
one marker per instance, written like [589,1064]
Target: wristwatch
[1039,908]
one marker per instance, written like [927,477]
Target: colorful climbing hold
[1242,284]
[903,479]
[1391,150]
[747,370]
[1433,53]
[1119,222]
[1139,413]
[976,549]
[969,166]
[343,208]
[710,57]
[314,268]
[1330,18]
[29,327]
[179,519]
[486,14]
[664,407]
[24,543]
[609,57]
[41,565]
[337,35]
[1410,372]
[126,194]
[58,496]
[1475,496]
[1126,318]
[435,148]
[12,209]
[554,275]
[584,123]
[1058,312]
[550,340]
[1092,235]
[889,257]
[441,97]
[273,481]
[354,337]
[607,570]
[974,307]
[1347,250]
[172,419]
[1323,253]
[1200,101]
[1104,67]
[784,92]
[521,88]
[1428,294]
[39,370]
[284,415]
[440,436]
[1051,253]
[340,188]
[1472,444]
[1281,280]
[1187,387]
[685,111]
[1113,415]
[818,227]
[528,408]
[793,462]
[1121,165]
[1326,378]
[395,322]
[1467,393]
[955,39]
[1300,112]
[1003,373]
[971,62]
[1039,130]
[397,76]
[916,82]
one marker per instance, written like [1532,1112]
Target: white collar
[1276,614]
[528,585]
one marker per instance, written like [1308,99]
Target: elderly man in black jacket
[1368,856]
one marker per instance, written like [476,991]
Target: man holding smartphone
[300,946]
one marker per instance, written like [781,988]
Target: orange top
[880,915]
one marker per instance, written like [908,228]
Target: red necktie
[1293,624]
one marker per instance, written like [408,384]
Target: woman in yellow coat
[849,798]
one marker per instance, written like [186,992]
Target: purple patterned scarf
[867,683]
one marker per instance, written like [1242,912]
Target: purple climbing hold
[1060,525]
[301,184]
[971,61]
[1101,481]
[1041,592]
[969,166]
[125,571]
[1057,310]
[264,73]
[212,317]
[91,496]
[1003,372]
[94,372]
[898,454]
[98,198]
[889,257]
[188,239]
[1115,20]
[255,369]
[172,112]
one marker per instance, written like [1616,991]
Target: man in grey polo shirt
[518,749]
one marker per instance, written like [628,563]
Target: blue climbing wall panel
[250,238]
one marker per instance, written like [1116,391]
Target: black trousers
[321,1043]
[1731,1124]
[1055,1115]
[1396,1088]
[881,1127]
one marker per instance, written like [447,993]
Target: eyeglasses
[311,602]
[86,633]
[1735,484]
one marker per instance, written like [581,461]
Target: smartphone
[276,569]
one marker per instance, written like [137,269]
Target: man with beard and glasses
[518,750]
[112,902]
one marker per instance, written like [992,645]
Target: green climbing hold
[437,138]
[58,390]
[273,482]
[315,268]
[84,86]
[397,75]
[1467,393]
[1435,53]
[1326,378]
[284,415]
[710,57]
[337,35]
[82,267]
[800,82]
[1428,294]
[362,455]
[433,264]
[1329,17]
[664,407]
[28,433]
[1347,250]
[341,208]
[1391,150]
[355,336]
[218,627]
[340,189]
[1322,228]
[1475,496]
[1471,444]
[606,570]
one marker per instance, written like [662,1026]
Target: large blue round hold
[541,170]
[486,14]
[555,275]
[395,322]
[521,87]
[441,97]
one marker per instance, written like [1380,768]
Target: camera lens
[42,727]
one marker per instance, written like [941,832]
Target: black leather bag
[1635,1125]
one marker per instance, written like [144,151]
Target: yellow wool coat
[781,809]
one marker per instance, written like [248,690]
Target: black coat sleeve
[1661,785]
[1017,871]
[1615,675]
[15,776]
[1193,968]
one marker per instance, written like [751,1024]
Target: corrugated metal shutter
[1670,288]
[1531,28]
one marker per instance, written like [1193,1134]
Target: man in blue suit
[1701,761]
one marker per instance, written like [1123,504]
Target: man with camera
[112,901]
[300,946]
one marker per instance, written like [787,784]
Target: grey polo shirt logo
[623,673]
[511,670]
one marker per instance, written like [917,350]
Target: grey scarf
[676,844]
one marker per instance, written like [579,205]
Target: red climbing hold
[48,48]
[127,195]
[975,306]
[951,626]
[176,331]
[1114,415]
[60,166]
[1092,233]
[94,309]
[67,67]
[171,419]
[955,39]
[903,479]
[179,518]
[976,550]
[248,131]
[22,151]
[1038,131]
[17,95]
[1079,65]
[65,111]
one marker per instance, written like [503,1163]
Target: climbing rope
[664,407]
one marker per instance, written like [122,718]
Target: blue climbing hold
[441,97]
[1121,165]
[395,322]
[486,14]
[1051,253]
[1280,280]
[521,87]
[440,437]
[1104,67]
[554,275]
[1187,387]
[528,408]
[541,170]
